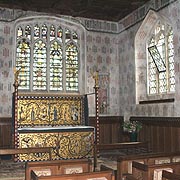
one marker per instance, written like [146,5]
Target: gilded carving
[65,145]
[47,111]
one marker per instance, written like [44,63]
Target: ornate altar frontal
[66,142]
[57,122]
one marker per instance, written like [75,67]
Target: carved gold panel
[65,145]
[39,111]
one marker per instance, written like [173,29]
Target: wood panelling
[162,133]
[111,130]
[5,132]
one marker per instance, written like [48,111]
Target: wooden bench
[100,175]
[57,167]
[13,169]
[124,163]
[170,175]
[17,151]
[153,171]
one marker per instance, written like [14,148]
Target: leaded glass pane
[152,70]
[44,31]
[19,32]
[72,67]
[39,66]
[156,56]
[28,32]
[162,82]
[75,37]
[52,33]
[56,67]
[67,35]
[59,34]
[152,78]
[36,31]
[47,58]
[23,63]
[171,62]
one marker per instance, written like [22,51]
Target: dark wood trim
[170,176]
[122,145]
[165,121]
[170,100]
[5,120]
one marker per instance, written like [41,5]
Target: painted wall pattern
[111,50]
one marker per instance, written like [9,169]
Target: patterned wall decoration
[111,49]
[102,56]
[6,75]
[103,93]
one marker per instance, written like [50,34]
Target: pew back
[153,172]
[170,175]
[100,175]
[124,163]
[56,167]
[26,152]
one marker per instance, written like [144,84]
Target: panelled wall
[110,130]
[162,133]
[5,132]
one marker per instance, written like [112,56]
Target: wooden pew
[16,151]
[100,175]
[153,171]
[57,167]
[124,163]
[170,175]
[15,164]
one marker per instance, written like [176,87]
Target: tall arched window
[47,54]
[161,73]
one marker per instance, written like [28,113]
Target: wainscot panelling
[111,130]
[162,133]
[5,132]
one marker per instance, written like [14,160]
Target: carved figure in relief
[32,114]
[55,114]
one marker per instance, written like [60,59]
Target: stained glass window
[71,67]
[161,74]
[48,57]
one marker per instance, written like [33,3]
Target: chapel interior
[90,88]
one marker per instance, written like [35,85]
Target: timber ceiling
[110,10]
